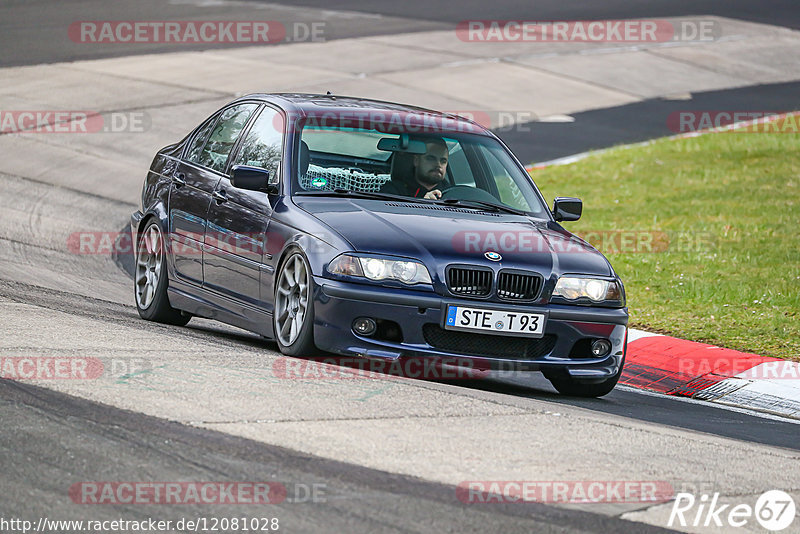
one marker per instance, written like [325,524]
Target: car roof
[305,104]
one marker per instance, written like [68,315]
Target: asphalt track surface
[777,12]
[35,31]
[640,121]
[70,436]
[632,123]
[50,440]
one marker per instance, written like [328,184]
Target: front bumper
[418,314]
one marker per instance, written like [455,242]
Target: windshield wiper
[481,204]
[475,204]
[361,194]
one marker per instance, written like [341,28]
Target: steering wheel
[467,192]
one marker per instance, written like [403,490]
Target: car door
[189,197]
[193,182]
[236,240]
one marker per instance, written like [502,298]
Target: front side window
[224,134]
[508,190]
[263,145]
[459,167]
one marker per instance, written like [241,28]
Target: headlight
[594,289]
[405,271]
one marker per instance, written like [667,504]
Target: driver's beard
[427,181]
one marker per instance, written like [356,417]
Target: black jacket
[393,187]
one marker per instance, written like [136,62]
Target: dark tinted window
[199,140]
[224,134]
[263,145]
[499,164]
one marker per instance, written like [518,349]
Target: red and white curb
[699,371]
[696,370]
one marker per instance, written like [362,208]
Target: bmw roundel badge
[493,256]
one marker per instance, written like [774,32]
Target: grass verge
[703,231]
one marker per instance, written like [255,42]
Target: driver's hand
[434,194]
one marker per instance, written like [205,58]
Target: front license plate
[494,321]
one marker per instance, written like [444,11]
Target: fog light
[601,347]
[364,326]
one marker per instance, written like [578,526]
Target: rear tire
[150,278]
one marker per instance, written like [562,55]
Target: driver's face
[431,166]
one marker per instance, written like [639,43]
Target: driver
[430,173]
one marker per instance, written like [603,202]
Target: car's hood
[441,235]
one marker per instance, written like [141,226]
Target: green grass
[724,213]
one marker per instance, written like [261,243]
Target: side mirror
[252,179]
[567,208]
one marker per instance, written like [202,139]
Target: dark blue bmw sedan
[378,230]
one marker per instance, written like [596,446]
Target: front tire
[293,318]
[150,278]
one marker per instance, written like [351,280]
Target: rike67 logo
[774,510]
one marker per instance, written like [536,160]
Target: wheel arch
[157,212]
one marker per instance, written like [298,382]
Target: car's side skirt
[211,305]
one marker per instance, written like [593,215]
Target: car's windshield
[460,166]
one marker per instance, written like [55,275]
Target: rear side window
[224,135]
[199,140]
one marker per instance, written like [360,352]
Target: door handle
[219,196]
[179,179]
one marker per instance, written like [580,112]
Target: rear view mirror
[567,209]
[252,179]
[402,144]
